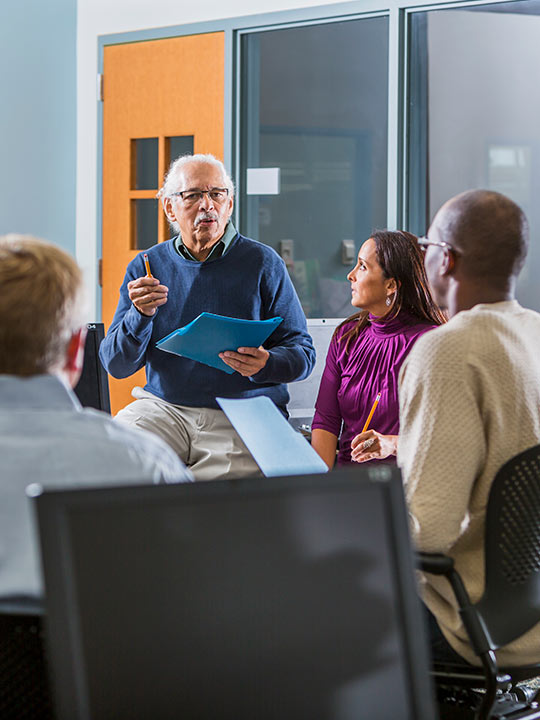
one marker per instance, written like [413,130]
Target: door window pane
[474,103]
[144,164]
[144,223]
[180,145]
[319,116]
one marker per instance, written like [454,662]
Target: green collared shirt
[219,249]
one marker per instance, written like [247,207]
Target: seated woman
[367,350]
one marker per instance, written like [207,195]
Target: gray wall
[483,99]
[38,118]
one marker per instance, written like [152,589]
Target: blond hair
[41,305]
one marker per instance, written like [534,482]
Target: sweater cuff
[265,375]
[137,323]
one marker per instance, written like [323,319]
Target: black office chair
[510,605]
[24,686]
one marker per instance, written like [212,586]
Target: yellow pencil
[147,265]
[366,424]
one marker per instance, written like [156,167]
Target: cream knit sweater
[469,401]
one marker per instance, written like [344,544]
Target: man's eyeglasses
[425,242]
[192,197]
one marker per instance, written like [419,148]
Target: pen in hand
[147,265]
[146,292]
[373,407]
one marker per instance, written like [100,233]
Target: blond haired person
[45,435]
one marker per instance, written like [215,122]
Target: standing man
[469,400]
[45,435]
[208,267]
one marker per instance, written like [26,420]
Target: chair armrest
[434,563]
[439,564]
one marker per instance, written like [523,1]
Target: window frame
[399,13]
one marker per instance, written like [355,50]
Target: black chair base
[463,703]
[473,674]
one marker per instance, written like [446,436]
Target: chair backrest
[510,605]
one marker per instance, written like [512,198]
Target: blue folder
[275,445]
[208,335]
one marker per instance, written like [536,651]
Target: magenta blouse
[351,381]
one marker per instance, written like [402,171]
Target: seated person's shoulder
[439,349]
[142,448]
[440,337]
[337,339]
[486,327]
[344,328]
[530,316]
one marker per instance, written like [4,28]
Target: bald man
[469,400]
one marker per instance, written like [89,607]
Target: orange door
[162,98]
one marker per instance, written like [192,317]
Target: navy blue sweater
[249,281]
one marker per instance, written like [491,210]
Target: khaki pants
[202,437]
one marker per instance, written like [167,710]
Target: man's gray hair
[171,184]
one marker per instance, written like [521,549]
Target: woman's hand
[371,445]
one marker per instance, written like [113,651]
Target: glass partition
[314,106]
[474,105]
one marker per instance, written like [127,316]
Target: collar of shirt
[36,392]
[219,249]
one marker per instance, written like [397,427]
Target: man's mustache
[205,217]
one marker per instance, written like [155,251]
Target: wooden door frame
[105,41]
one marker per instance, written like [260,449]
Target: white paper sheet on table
[276,447]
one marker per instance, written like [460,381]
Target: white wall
[37,123]
[101,17]
[497,105]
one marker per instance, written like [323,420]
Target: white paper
[262,181]
[276,447]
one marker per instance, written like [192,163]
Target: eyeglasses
[425,242]
[192,197]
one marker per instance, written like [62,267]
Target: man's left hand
[247,361]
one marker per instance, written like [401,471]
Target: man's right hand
[147,294]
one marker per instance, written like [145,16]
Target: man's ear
[168,209]
[231,206]
[448,264]
[75,356]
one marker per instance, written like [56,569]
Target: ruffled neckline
[395,325]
